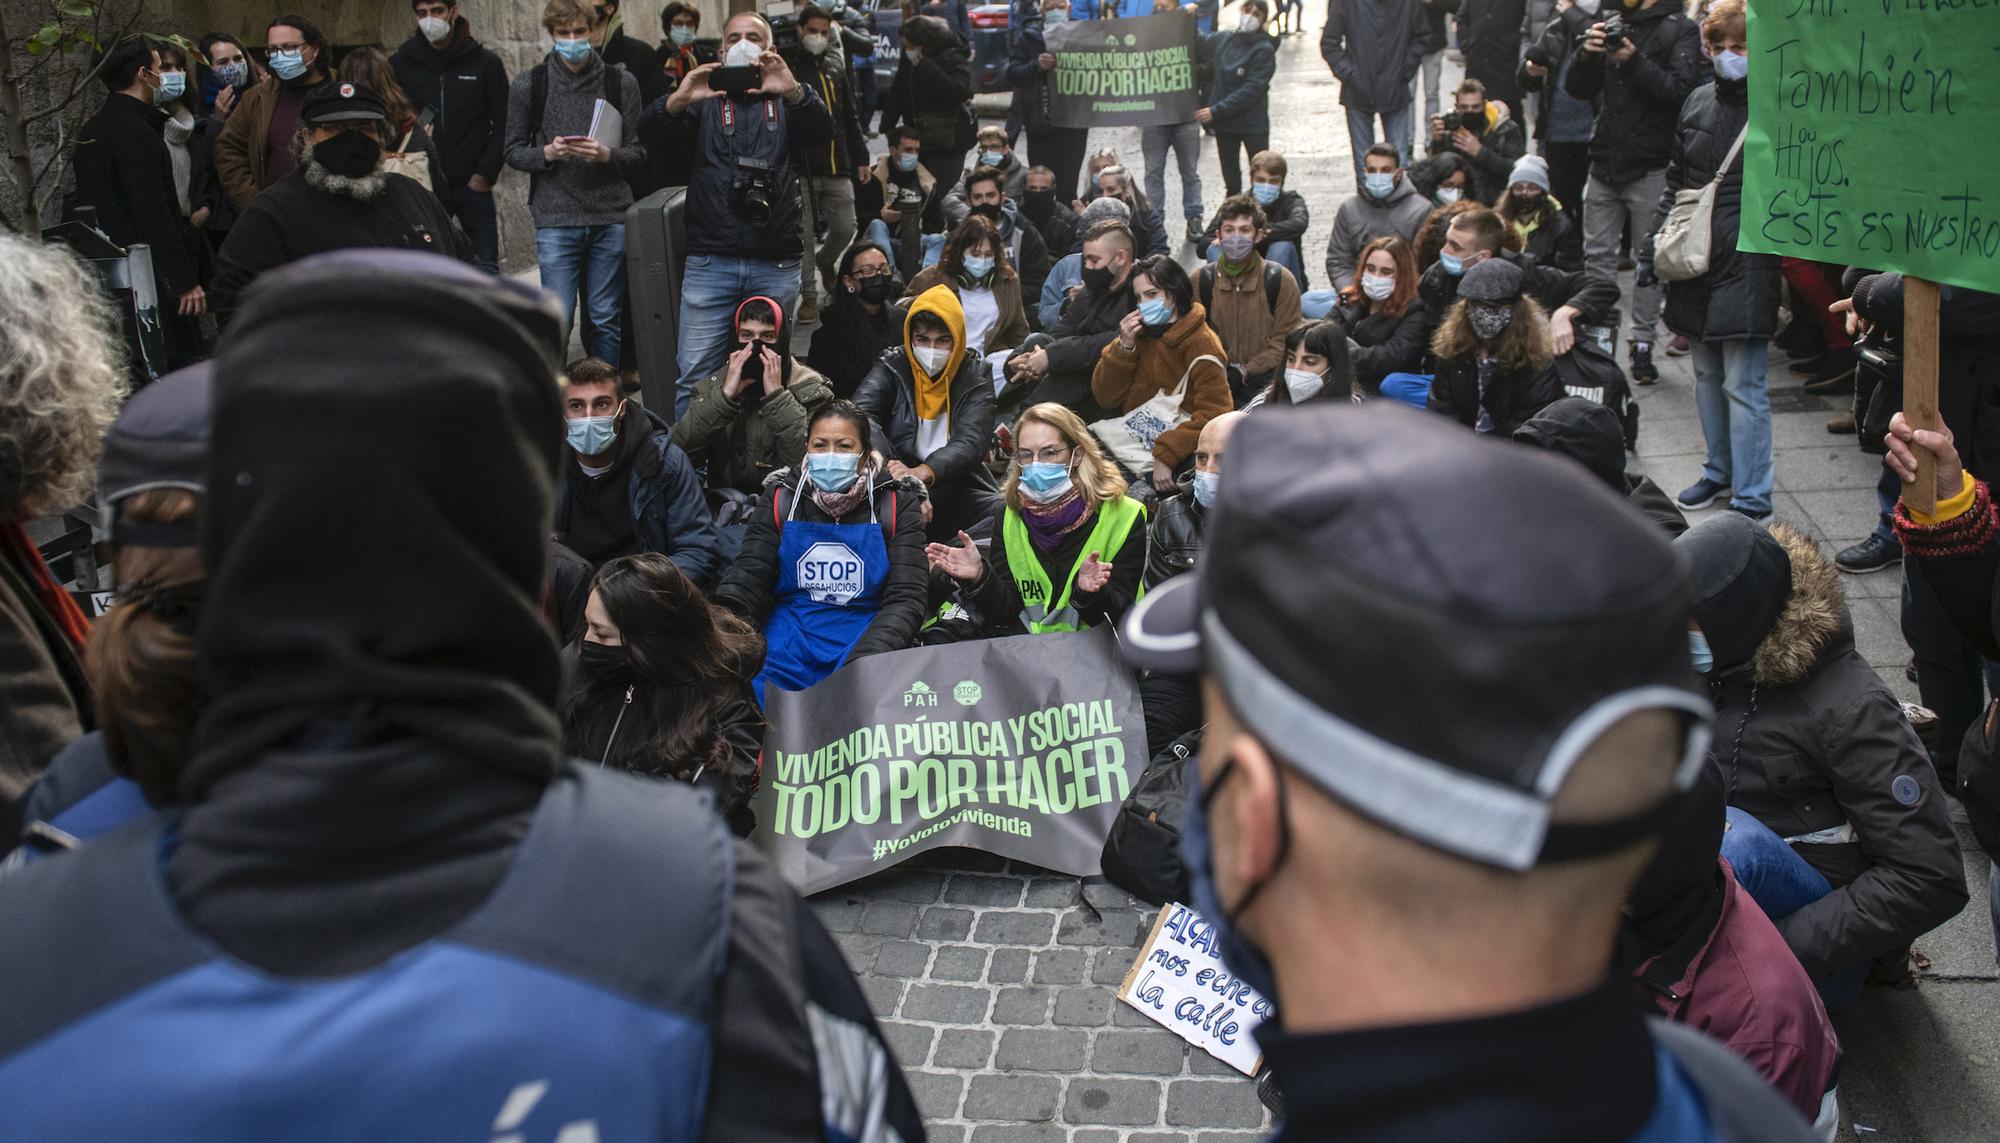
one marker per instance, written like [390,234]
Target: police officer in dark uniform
[387,907]
[337,198]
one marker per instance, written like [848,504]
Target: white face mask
[742,53]
[1248,23]
[1449,195]
[435,30]
[1587,7]
[813,43]
[1303,384]
[932,359]
[1377,287]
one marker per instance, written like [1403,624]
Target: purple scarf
[1049,523]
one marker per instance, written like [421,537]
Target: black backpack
[1587,371]
[538,98]
[1142,854]
[1204,283]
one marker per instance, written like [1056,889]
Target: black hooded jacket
[465,85]
[1642,97]
[1591,435]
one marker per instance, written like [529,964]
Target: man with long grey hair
[62,376]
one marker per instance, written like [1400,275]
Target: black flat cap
[1430,627]
[340,101]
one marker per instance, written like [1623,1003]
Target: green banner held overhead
[1867,141]
[1136,72]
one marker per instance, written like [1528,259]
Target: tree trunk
[20,164]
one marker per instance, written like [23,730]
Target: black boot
[1643,369]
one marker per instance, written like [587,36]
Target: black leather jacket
[1175,534]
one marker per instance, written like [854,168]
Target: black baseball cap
[340,101]
[160,440]
[1430,627]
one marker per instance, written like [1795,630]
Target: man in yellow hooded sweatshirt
[933,411]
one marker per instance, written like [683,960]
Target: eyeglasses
[1026,457]
[288,47]
[865,275]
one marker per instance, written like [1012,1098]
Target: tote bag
[1129,438]
[1680,253]
[410,164]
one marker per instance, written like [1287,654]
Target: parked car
[990,23]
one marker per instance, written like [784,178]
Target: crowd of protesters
[413,652]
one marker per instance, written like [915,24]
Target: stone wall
[996,984]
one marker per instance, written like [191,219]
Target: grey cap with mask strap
[1431,628]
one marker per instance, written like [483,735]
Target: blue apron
[830,580]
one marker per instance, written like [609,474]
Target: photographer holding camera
[747,118]
[1641,65]
[1485,134]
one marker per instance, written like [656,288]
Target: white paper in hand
[607,126]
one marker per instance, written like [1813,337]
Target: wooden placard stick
[1920,383]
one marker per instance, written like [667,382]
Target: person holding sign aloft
[832,567]
[1071,544]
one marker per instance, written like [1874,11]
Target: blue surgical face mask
[288,65]
[1206,485]
[1265,193]
[977,268]
[573,51]
[1156,311]
[233,74]
[1378,184]
[1732,65]
[1704,659]
[1044,480]
[1244,959]
[1452,263]
[1056,16]
[173,85]
[993,158]
[681,35]
[906,162]
[833,471]
[592,436]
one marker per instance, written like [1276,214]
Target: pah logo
[920,694]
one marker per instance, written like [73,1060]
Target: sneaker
[1678,347]
[1625,264]
[1837,373]
[1643,370]
[808,311]
[1755,516]
[1701,494]
[1870,555]
[1842,425]
[1195,229]
[1269,1094]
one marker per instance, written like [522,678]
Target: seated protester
[661,685]
[1495,366]
[1066,275]
[1061,363]
[1479,235]
[897,203]
[1172,701]
[749,421]
[860,322]
[566,592]
[1285,212]
[140,656]
[1164,345]
[1484,135]
[1591,434]
[624,486]
[1713,961]
[1069,544]
[1026,252]
[819,614]
[1548,233]
[1385,321]
[1837,825]
[998,154]
[975,269]
[931,408]
[1252,303]
[1057,221]
[1318,367]
[1444,179]
[1388,206]
[1430,236]
[1104,159]
[1149,229]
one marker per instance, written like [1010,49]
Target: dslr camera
[1614,32]
[750,190]
[1473,121]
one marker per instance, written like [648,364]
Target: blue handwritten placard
[1180,982]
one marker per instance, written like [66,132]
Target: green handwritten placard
[1869,144]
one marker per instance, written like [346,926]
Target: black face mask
[603,663]
[1529,205]
[1097,278]
[988,210]
[753,365]
[1039,204]
[874,290]
[354,154]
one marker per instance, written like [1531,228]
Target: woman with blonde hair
[1070,544]
[1495,357]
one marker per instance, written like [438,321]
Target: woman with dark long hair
[1318,367]
[1163,344]
[974,266]
[369,67]
[663,684]
[1385,317]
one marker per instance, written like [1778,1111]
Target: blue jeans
[1782,883]
[1185,141]
[712,286]
[1317,304]
[877,232]
[1888,490]
[475,213]
[1285,254]
[589,260]
[1396,127]
[1735,408]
